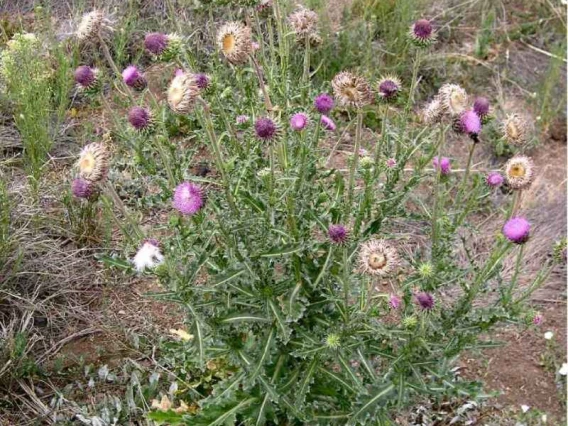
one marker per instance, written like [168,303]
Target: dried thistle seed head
[303,22]
[433,112]
[314,39]
[377,257]
[515,129]
[234,40]
[453,99]
[351,90]
[421,33]
[388,87]
[183,93]
[519,172]
[93,25]
[94,162]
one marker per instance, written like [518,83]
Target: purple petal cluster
[82,188]
[517,230]
[242,119]
[201,80]
[443,164]
[265,128]
[394,301]
[188,198]
[324,103]
[388,89]
[299,121]
[337,234]
[481,106]
[85,76]
[132,77]
[422,29]
[327,123]
[494,179]
[470,122]
[156,43]
[139,117]
[425,300]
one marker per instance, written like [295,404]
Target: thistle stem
[465,176]
[108,57]
[355,162]
[515,202]
[218,156]
[260,77]
[118,202]
[515,275]
[436,206]
[306,74]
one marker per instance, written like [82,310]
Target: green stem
[108,57]
[466,175]
[346,276]
[209,127]
[166,160]
[260,77]
[355,162]
[436,208]
[509,293]
[414,81]
[306,74]
[514,204]
[118,202]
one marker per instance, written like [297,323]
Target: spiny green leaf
[264,355]
[244,317]
[282,251]
[231,275]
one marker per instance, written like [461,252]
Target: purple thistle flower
[139,117]
[425,300]
[242,119]
[265,128]
[470,123]
[394,301]
[538,318]
[517,230]
[156,43]
[82,188]
[324,103]
[85,76]
[133,78]
[299,121]
[391,163]
[188,198]
[388,88]
[494,179]
[327,123]
[442,164]
[179,72]
[337,234]
[201,80]
[481,107]
[423,28]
